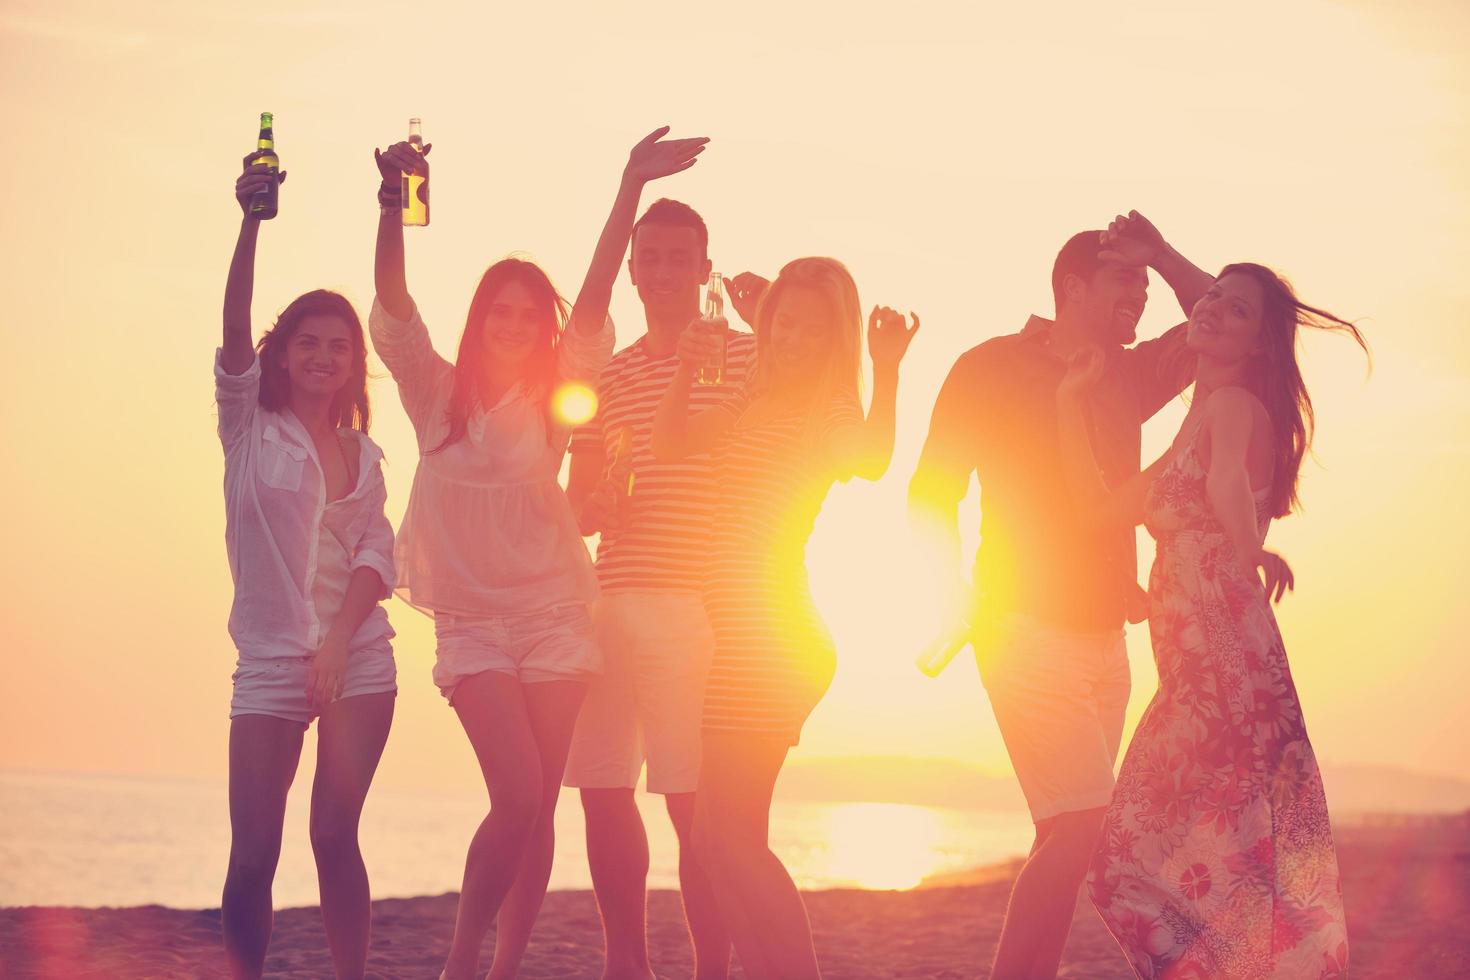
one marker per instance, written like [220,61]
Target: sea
[94,841]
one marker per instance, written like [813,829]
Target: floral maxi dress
[1216,857]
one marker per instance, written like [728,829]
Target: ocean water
[93,841]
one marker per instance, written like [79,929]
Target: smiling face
[514,326]
[1225,324]
[1110,301]
[318,357]
[668,265]
[803,334]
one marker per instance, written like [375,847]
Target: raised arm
[651,158]
[389,278]
[237,348]
[866,450]
[675,435]
[1132,238]
[1091,496]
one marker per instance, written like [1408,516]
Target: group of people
[692,643]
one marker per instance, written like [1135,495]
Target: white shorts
[553,644]
[649,701]
[276,686]
[1059,698]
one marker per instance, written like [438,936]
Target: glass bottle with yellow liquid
[264,204]
[415,186]
[713,373]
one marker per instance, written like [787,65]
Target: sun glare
[574,403]
[881,845]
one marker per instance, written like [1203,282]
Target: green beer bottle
[263,204]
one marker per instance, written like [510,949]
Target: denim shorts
[554,644]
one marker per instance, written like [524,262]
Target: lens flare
[574,403]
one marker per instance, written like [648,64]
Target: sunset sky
[943,154]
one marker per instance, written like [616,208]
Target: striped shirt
[665,544]
[773,655]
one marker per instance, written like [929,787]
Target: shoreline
[1407,891]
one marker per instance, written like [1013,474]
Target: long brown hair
[469,365]
[1276,378]
[350,405]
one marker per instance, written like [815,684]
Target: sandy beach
[1407,890]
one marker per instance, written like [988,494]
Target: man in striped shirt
[655,521]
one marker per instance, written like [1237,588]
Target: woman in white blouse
[489,546]
[311,554]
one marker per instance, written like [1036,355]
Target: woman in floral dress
[1216,856]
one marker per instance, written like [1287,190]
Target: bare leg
[1044,897]
[552,707]
[492,710]
[617,856]
[264,752]
[706,929]
[350,739]
[758,901]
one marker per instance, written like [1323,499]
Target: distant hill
[1390,789]
[1351,789]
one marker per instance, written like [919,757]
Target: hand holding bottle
[255,178]
[399,159]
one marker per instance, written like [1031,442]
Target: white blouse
[489,530]
[275,508]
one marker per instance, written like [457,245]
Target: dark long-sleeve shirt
[996,416]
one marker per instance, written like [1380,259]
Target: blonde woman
[778,445]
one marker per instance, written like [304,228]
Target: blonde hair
[841,374]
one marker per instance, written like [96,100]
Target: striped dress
[773,655]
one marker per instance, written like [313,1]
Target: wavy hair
[350,407]
[1275,377]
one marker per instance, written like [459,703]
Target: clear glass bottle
[415,186]
[713,373]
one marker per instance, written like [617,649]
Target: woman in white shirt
[489,546]
[311,557]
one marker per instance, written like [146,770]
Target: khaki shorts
[1059,698]
[649,701]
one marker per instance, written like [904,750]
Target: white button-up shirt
[488,530]
[275,500]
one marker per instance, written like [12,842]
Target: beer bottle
[714,314]
[415,186]
[263,205]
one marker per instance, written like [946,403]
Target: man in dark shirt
[1051,592]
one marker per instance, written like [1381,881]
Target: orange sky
[943,155]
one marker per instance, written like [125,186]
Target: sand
[1407,891]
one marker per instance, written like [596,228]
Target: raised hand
[653,156]
[1084,370]
[745,292]
[889,336]
[1131,239]
[402,158]
[255,178]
